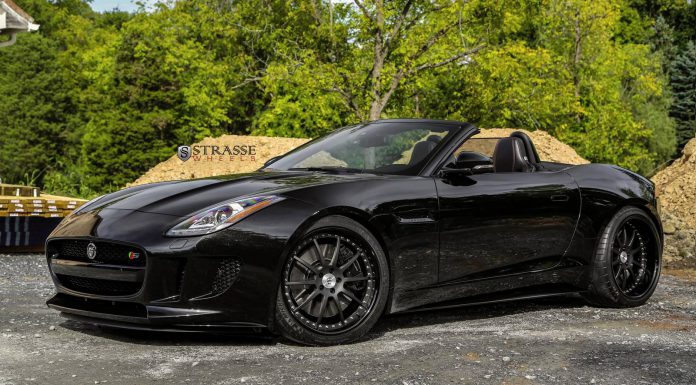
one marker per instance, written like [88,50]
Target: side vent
[226,274]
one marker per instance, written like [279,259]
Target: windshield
[385,148]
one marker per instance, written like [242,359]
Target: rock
[676,189]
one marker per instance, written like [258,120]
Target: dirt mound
[676,188]
[204,166]
[549,149]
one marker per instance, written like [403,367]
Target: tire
[338,297]
[627,261]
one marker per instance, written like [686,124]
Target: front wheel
[627,261]
[334,284]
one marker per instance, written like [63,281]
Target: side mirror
[467,163]
[470,159]
[482,169]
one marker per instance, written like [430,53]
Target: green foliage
[92,100]
[684,89]
[35,109]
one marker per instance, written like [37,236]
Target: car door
[503,223]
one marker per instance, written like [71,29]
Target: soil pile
[549,148]
[204,166]
[676,189]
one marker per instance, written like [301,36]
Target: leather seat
[532,154]
[510,156]
[420,151]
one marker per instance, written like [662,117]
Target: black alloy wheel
[330,283]
[630,260]
[334,284]
[627,261]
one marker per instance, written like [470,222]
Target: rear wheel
[334,284]
[627,261]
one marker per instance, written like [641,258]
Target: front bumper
[127,315]
[180,290]
[225,280]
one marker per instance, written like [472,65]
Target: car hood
[182,198]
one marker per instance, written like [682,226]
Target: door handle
[560,198]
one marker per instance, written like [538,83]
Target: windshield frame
[455,131]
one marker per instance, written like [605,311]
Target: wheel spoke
[334,257]
[624,279]
[303,292]
[306,300]
[299,283]
[351,296]
[355,279]
[319,254]
[337,304]
[622,276]
[633,237]
[624,237]
[350,262]
[616,241]
[648,274]
[322,308]
[307,267]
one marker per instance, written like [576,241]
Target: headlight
[222,216]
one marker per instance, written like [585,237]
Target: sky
[124,5]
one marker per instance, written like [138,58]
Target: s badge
[184,153]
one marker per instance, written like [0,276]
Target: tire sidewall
[286,323]
[604,258]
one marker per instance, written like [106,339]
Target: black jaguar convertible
[372,219]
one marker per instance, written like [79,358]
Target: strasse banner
[217,153]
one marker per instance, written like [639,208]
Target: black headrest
[532,154]
[434,138]
[420,151]
[510,156]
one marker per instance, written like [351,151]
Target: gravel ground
[560,341]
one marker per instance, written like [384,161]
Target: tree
[32,106]
[374,47]
[684,89]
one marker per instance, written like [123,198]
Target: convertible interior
[515,153]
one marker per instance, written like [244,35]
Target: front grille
[107,252]
[226,274]
[98,286]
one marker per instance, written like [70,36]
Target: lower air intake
[98,286]
[226,274]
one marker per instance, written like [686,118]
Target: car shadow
[386,324]
[472,313]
